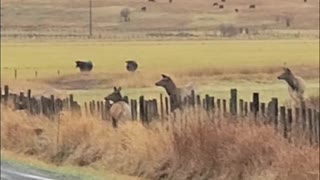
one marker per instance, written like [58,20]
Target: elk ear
[119,89]
[114,88]
[288,70]
[164,76]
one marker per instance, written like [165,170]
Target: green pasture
[47,58]
[161,57]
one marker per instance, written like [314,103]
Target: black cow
[215,4]
[236,10]
[252,6]
[144,8]
[221,6]
[84,66]
[132,66]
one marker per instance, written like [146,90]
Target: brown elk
[177,95]
[119,110]
[296,85]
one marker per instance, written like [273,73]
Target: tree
[125,14]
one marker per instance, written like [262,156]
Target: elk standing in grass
[176,94]
[296,86]
[119,110]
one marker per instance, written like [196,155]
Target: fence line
[284,119]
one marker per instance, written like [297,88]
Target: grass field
[214,66]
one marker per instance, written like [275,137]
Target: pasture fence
[287,121]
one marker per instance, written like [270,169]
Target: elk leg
[114,122]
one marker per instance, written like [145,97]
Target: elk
[119,110]
[176,94]
[296,85]
[84,66]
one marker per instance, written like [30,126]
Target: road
[10,171]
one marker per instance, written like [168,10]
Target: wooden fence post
[289,116]
[255,104]
[310,119]
[246,108]
[224,104]
[193,98]
[241,104]
[35,74]
[283,121]
[263,110]
[167,105]
[198,100]
[233,102]
[6,94]
[15,74]
[317,126]
[304,118]
[86,108]
[142,108]
[161,106]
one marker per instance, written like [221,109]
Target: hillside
[72,17]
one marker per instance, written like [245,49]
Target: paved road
[10,171]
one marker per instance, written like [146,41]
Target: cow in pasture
[152,0]
[120,109]
[84,66]
[236,10]
[170,1]
[305,1]
[252,6]
[221,6]
[177,95]
[215,4]
[223,0]
[296,85]
[132,65]
[144,9]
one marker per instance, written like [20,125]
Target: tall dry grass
[191,147]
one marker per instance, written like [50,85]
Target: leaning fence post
[233,101]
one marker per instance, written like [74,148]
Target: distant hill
[72,16]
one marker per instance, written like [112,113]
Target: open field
[213,66]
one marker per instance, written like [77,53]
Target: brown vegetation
[200,76]
[190,148]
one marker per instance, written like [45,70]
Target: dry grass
[200,76]
[190,148]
